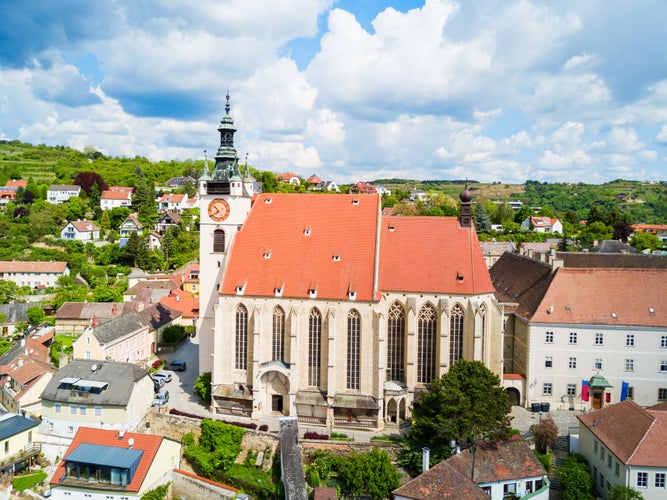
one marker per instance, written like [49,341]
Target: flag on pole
[584,390]
[624,390]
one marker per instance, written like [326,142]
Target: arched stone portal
[514,396]
[277,393]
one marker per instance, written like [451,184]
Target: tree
[482,219]
[575,479]
[644,241]
[369,474]
[546,433]
[203,386]
[466,404]
[597,231]
[8,291]
[89,179]
[35,315]
[624,493]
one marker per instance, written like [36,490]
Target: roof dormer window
[306,232]
[352,295]
[336,257]
[355,202]
[240,289]
[268,201]
[267,254]
[312,293]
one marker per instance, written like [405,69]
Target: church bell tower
[225,196]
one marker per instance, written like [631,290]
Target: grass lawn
[26,482]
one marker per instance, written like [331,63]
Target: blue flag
[624,391]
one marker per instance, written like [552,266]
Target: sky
[350,90]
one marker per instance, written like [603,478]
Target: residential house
[660,230]
[8,192]
[540,250]
[93,393]
[542,224]
[492,250]
[191,279]
[179,182]
[166,221]
[116,196]
[492,469]
[60,193]
[185,303]
[25,369]
[13,313]
[363,188]
[382,190]
[130,225]
[314,180]
[172,203]
[125,338]
[624,446]
[151,290]
[16,183]
[154,240]
[565,325]
[158,317]
[289,178]
[80,230]
[72,318]
[35,274]
[19,436]
[114,465]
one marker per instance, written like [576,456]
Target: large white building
[583,337]
[318,307]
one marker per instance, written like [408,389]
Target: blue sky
[491,90]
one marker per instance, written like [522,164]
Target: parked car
[161,398]
[158,381]
[177,365]
[162,375]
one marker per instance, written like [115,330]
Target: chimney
[426,459]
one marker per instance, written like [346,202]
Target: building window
[609,461]
[663,366]
[573,337]
[629,365]
[572,363]
[278,334]
[663,341]
[547,389]
[426,331]
[595,447]
[509,489]
[241,361]
[599,339]
[617,469]
[98,411]
[6,447]
[82,410]
[659,480]
[602,454]
[218,240]
[455,335]
[631,392]
[72,409]
[549,337]
[314,339]
[642,479]
[598,364]
[58,407]
[353,347]
[662,394]
[571,389]
[548,362]
[630,340]
[396,343]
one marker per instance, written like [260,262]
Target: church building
[319,307]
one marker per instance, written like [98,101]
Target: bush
[263,428]
[315,435]
[203,386]
[174,411]
[313,478]
[337,436]
[545,460]
[173,334]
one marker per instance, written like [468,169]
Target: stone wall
[188,485]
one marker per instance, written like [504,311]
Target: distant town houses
[289,178]
[36,274]
[8,192]
[80,230]
[660,230]
[60,193]
[167,220]
[13,314]
[19,435]
[180,182]
[542,224]
[115,197]
[363,188]
[172,203]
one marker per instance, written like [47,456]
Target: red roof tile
[16,266]
[441,482]
[188,306]
[17,183]
[116,195]
[303,235]
[635,435]
[149,443]
[84,226]
[433,255]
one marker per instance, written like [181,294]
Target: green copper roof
[599,382]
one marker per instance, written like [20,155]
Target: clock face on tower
[218,209]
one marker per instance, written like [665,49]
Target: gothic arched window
[241,338]
[314,344]
[396,343]
[353,347]
[427,326]
[278,351]
[456,335]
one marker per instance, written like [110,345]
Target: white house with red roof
[289,178]
[172,202]
[116,196]
[583,337]
[542,224]
[60,193]
[318,307]
[110,464]
[625,446]
[363,188]
[80,230]
[33,273]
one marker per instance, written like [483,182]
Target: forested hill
[639,201]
